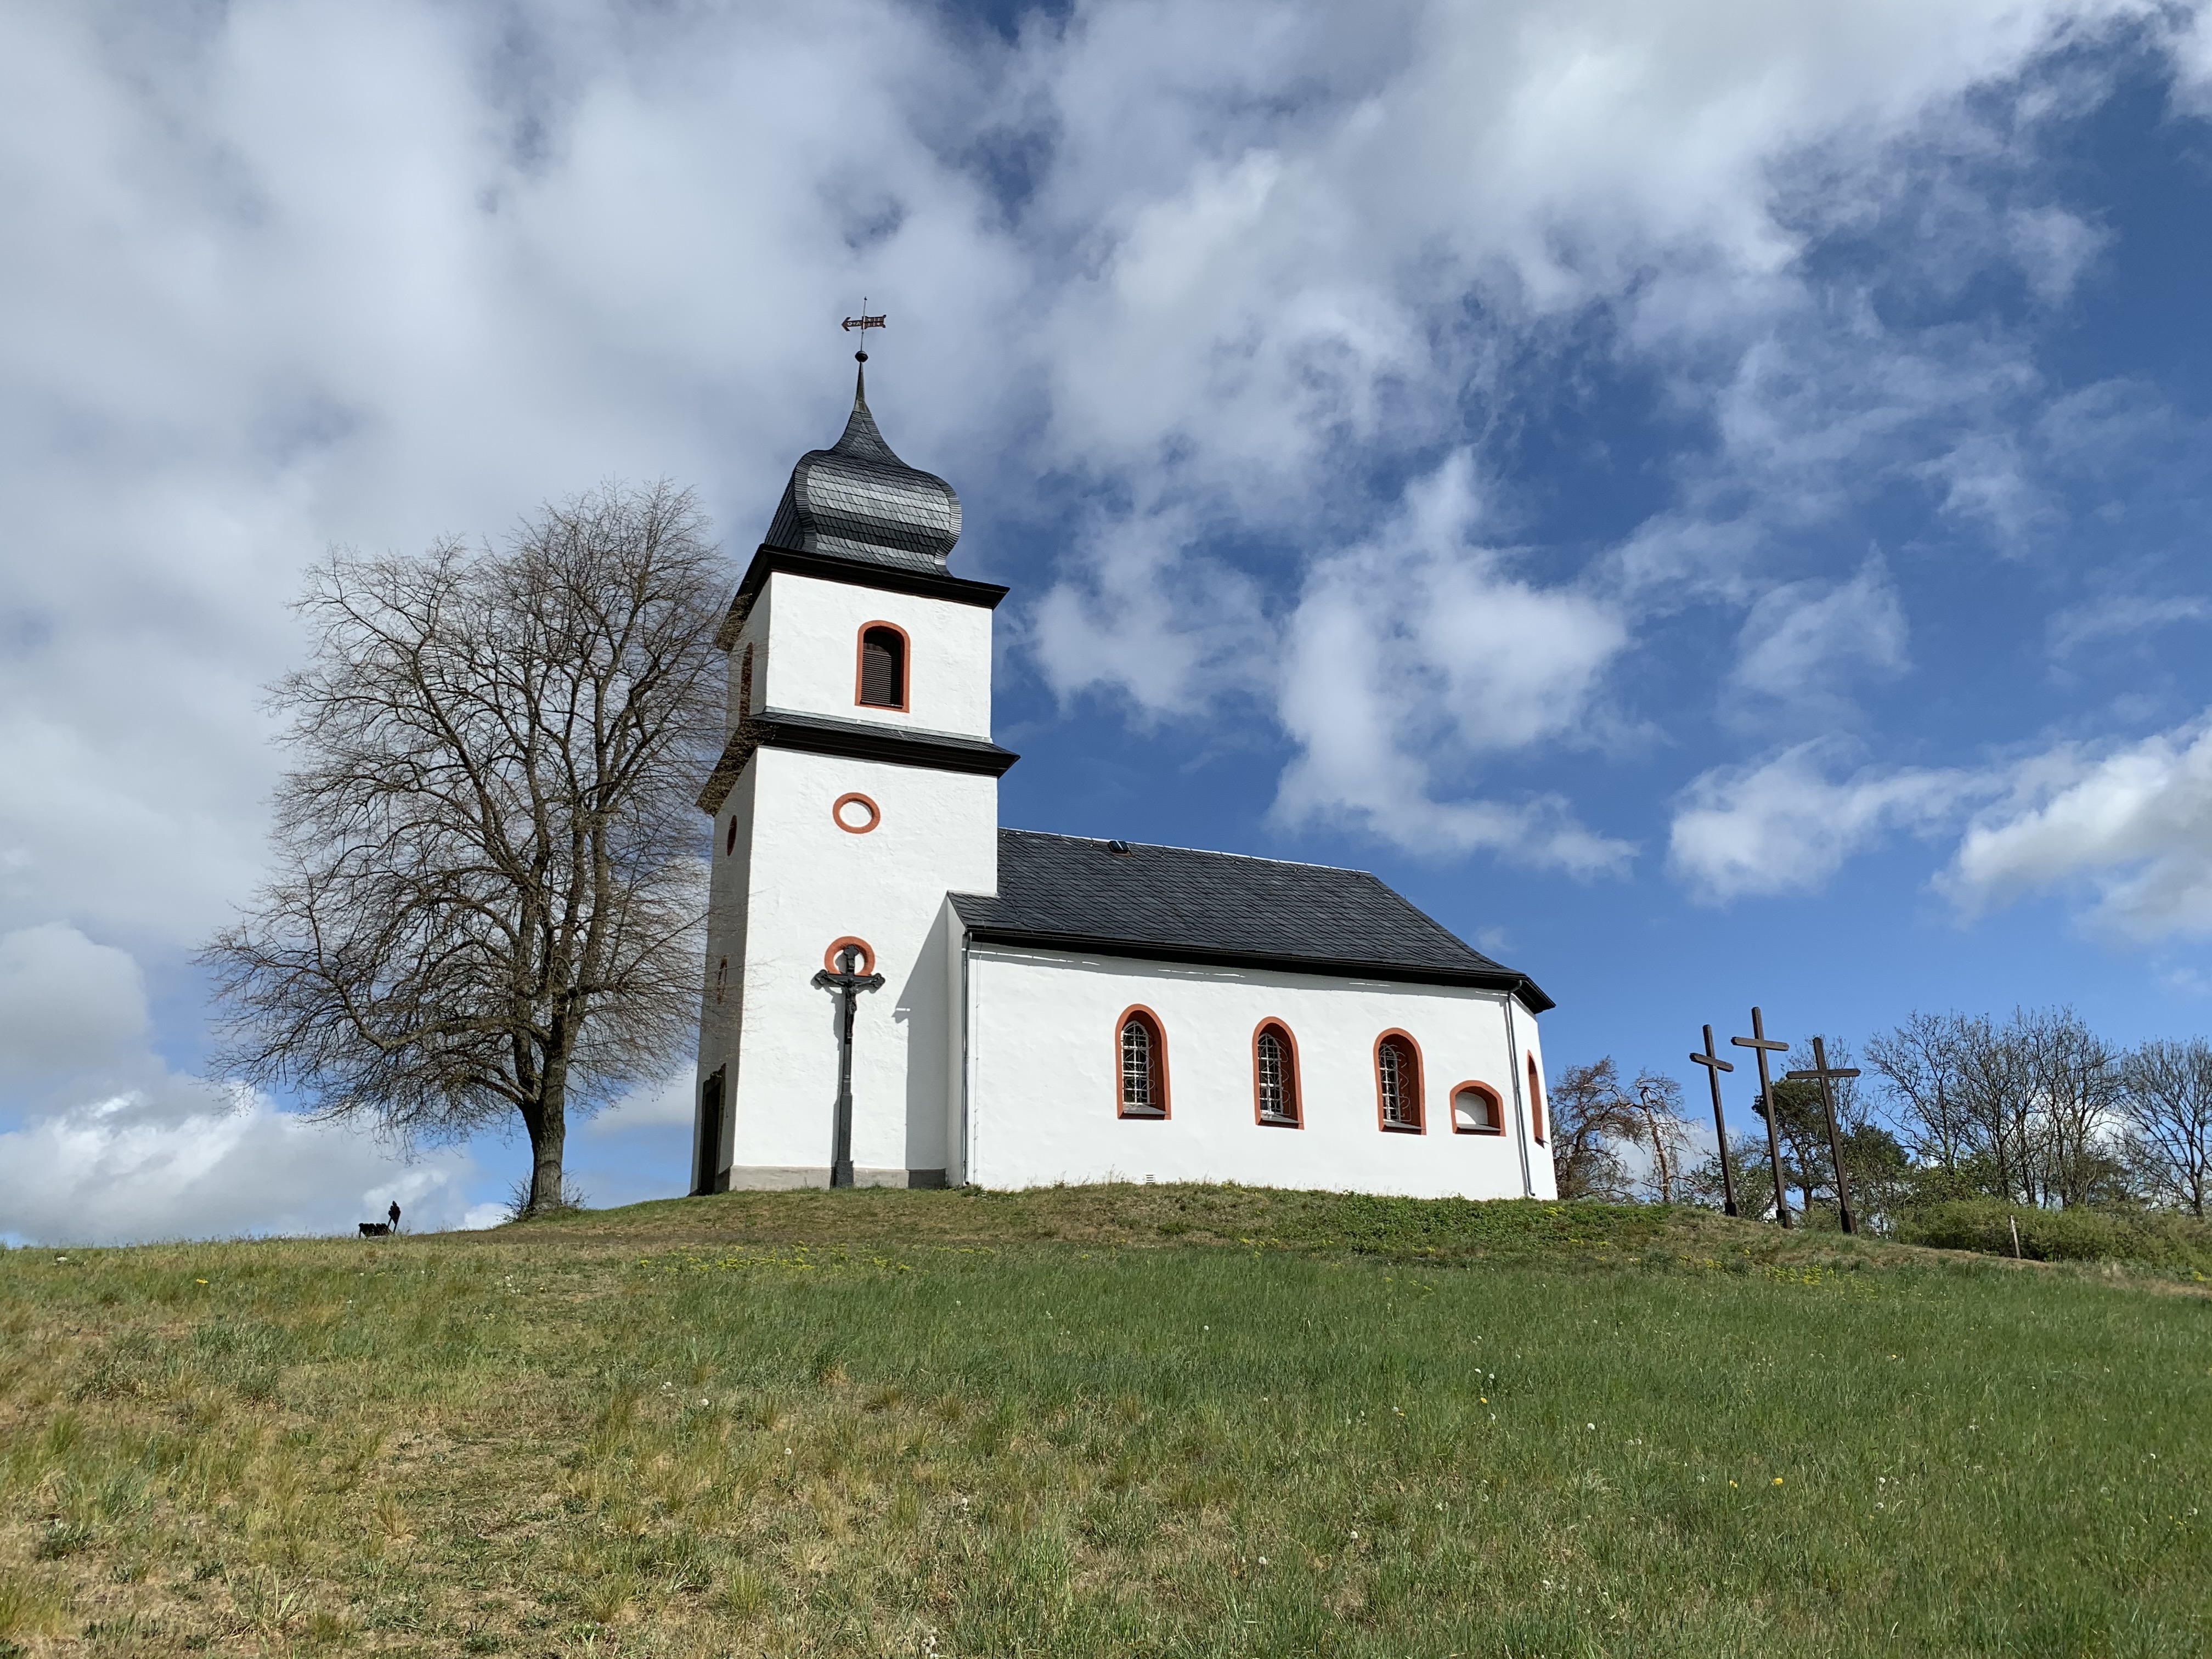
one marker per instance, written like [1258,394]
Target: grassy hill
[1108,1421]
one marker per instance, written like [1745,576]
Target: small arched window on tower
[1535,1101]
[883,667]
[1275,1075]
[1141,1052]
[1398,1083]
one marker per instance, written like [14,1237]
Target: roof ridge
[1210,852]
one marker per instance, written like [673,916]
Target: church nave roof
[1176,903]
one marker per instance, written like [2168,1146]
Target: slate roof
[856,500]
[1173,903]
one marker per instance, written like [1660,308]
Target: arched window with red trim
[1477,1111]
[1535,1101]
[1140,1057]
[1275,1075]
[880,682]
[1398,1083]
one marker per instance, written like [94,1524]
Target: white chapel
[899,992]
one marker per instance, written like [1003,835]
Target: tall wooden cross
[1823,1070]
[1766,1045]
[1715,1065]
[847,984]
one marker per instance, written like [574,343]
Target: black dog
[376,1229]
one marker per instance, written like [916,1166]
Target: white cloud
[67,1005]
[2127,824]
[131,1168]
[101,1141]
[1783,826]
[2126,616]
[1803,643]
[2133,824]
[1412,656]
[663,1105]
[1171,631]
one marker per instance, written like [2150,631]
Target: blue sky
[1706,497]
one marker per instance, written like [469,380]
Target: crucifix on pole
[847,983]
[1715,1065]
[1766,1045]
[1823,1070]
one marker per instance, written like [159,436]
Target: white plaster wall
[721,998]
[812,629]
[811,883]
[1543,1177]
[1042,1084]
[753,637]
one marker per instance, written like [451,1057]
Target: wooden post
[1766,1045]
[1823,1070]
[1715,1065]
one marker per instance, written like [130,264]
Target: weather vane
[863,323]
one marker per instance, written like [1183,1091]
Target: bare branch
[489,882]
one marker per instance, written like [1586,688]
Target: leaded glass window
[1278,1098]
[1138,1093]
[1398,1074]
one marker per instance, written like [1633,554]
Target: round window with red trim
[855,814]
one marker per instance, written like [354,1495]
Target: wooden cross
[1766,1045]
[1715,1065]
[1823,1070]
[847,983]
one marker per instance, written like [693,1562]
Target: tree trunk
[549,1134]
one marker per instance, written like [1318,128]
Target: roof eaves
[935,583]
[1507,980]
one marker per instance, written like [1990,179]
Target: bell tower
[859,786]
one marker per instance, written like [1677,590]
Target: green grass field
[1103,1421]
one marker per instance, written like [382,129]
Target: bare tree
[2074,1088]
[488,871]
[1589,1113]
[2026,1110]
[1664,1133]
[1920,1061]
[2166,1100]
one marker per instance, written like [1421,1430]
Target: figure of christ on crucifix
[1823,1070]
[1715,1065]
[1766,1045]
[847,983]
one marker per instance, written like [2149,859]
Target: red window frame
[860,666]
[1496,1126]
[1163,1104]
[1296,1086]
[1419,1126]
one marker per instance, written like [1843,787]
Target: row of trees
[2038,1110]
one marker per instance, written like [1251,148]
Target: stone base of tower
[788,1177]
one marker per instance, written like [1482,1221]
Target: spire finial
[863,323]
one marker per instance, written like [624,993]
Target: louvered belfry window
[883,668]
[1137,1092]
[1399,1075]
[1279,1094]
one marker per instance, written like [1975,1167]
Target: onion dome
[856,500]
